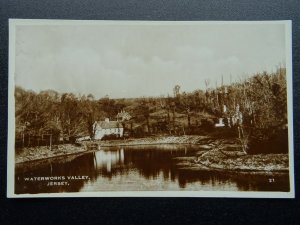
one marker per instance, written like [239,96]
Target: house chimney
[107,120]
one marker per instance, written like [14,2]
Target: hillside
[257,105]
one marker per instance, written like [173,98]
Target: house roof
[108,124]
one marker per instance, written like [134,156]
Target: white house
[102,128]
[236,118]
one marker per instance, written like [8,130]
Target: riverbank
[29,154]
[213,153]
[223,160]
[186,139]
[44,152]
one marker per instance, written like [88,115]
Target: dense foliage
[261,99]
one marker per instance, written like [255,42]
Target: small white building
[102,128]
[221,123]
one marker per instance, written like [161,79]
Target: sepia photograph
[150,109]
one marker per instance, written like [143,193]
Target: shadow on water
[141,165]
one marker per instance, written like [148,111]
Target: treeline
[66,114]
[260,99]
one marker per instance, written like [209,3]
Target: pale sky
[122,60]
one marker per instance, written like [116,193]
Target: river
[136,168]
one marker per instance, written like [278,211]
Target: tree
[176,91]
[142,112]
[71,117]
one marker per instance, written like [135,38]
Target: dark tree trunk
[148,126]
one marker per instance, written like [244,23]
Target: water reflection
[105,159]
[139,168]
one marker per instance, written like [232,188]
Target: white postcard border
[226,194]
